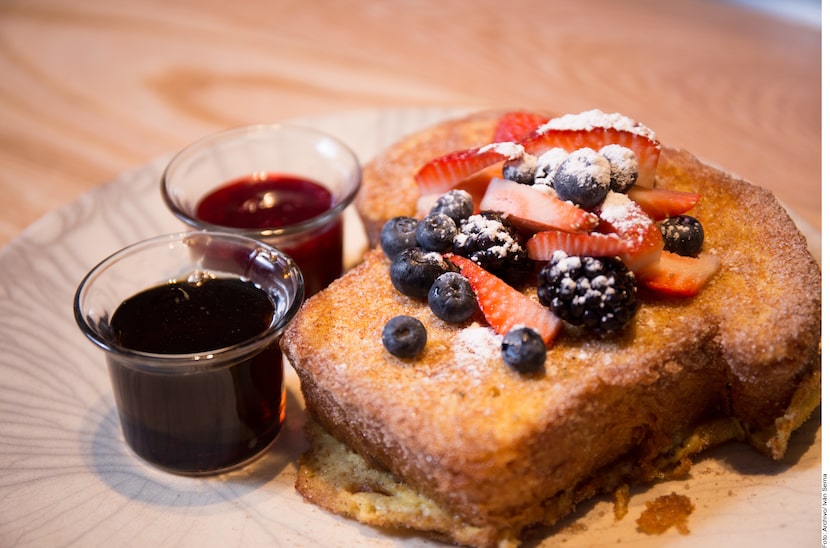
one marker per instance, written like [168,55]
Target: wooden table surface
[91,88]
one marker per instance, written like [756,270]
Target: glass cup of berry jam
[190,324]
[282,184]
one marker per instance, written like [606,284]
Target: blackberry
[521,169]
[404,336]
[523,349]
[494,244]
[584,178]
[413,271]
[436,232]
[398,234]
[682,234]
[456,203]
[451,298]
[598,294]
[624,166]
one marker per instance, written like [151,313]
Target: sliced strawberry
[443,173]
[625,218]
[514,126]
[476,185]
[678,275]
[541,245]
[535,210]
[594,130]
[505,307]
[661,203]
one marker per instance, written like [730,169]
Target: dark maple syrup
[274,201]
[211,419]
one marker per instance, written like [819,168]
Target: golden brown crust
[767,301]
[490,445]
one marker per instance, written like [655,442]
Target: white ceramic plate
[67,478]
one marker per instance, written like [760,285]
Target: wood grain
[91,88]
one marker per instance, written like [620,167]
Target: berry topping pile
[567,236]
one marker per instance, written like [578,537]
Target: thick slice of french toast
[487,451]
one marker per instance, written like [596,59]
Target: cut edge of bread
[334,477]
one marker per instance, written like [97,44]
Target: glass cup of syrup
[282,184]
[190,324]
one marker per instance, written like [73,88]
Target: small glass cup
[189,411]
[261,152]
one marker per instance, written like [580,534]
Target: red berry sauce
[273,201]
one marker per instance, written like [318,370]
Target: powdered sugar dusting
[507,149]
[545,189]
[474,347]
[619,210]
[597,119]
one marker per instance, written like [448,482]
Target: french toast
[456,444]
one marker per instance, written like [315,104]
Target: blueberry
[682,234]
[547,164]
[413,271]
[456,203]
[435,232]
[451,298]
[404,336]
[398,234]
[584,178]
[521,169]
[523,349]
[624,166]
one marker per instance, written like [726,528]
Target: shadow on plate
[593,520]
[108,456]
[741,459]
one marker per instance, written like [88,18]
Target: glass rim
[317,221]
[182,363]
